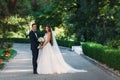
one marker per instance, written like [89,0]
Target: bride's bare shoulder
[49,33]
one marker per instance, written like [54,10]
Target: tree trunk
[12,5]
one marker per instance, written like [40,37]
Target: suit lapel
[35,34]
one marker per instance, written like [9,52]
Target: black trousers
[34,59]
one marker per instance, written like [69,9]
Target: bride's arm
[48,39]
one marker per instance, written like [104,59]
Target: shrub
[114,44]
[1,43]
[1,66]
[7,45]
[67,43]
[7,54]
[1,61]
[17,40]
[60,42]
[104,54]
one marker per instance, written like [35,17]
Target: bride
[51,60]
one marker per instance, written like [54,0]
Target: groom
[34,44]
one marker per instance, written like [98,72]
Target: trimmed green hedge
[27,40]
[67,43]
[104,54]
[16,40]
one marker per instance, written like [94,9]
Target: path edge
[105,68]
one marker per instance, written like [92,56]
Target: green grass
[104,54]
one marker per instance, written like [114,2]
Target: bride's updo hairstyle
[51,40]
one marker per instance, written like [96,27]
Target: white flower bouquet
[41,39]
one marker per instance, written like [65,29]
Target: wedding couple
[50,59]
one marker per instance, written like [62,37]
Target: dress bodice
[45,36]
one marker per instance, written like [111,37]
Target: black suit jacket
[33,40]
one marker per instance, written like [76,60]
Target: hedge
[27,40]
[103,54]
[67,43]
[16,40]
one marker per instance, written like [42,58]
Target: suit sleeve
[31,35]
[33,39]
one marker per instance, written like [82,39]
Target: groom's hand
[38,47]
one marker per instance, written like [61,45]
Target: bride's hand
[38,47]
[41,47]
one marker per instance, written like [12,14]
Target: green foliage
[2,52]
[104,54]
[2,65]
[95,20]
[7,45]
[12,54]
[114,44]
[15,18]
[67,43]
[17,40]
[1,43]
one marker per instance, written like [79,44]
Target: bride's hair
[51,40]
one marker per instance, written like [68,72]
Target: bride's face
[47,29]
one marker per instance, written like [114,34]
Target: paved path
[20,68]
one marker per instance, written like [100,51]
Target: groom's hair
[33,24]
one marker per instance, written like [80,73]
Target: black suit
[34,44]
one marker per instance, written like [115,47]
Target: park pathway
[20,67]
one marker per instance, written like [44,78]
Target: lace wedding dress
[51,61]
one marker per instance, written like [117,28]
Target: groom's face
[34,27]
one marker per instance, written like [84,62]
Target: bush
[7,45]
[27,40]
[104,54]
[16,40]
[114,44]
[7,54]
[67,43]
[1,43]
[1,66]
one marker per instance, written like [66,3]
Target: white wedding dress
[51,61]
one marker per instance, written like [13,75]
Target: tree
[13,15]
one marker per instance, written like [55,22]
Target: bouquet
[41,40]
